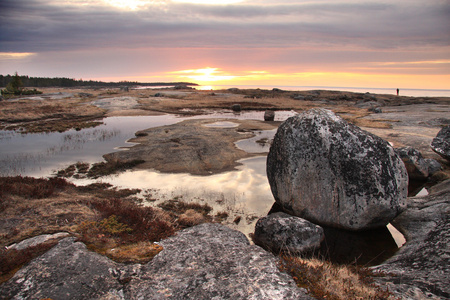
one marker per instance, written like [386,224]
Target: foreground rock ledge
[332,173]
[421,268]
[209,261]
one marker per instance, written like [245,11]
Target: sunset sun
[208,1]
[204,75]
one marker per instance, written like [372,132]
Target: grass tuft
[325,280]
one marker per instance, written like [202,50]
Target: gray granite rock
[330,172]
[211,261]
[282,232]
[441,143]
[416,166]
[37,240]
[421,268]
[67,271]
[433,166]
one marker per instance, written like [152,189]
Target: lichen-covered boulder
[282,232]
[416,166]
[330,172]
[441,143]
[211,261]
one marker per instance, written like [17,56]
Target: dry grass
[141,252]
[327,281]
[48,115]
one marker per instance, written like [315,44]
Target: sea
[388,91]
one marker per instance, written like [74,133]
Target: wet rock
[269,115]
[282,232]
[415,164]
[421,269]
[211,261]
[236,107]
[67,271]
[332,173]
[441,143]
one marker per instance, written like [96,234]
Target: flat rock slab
[191,146]
[209,261]
[421,268]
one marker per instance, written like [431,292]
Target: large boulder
[332,173]
[282,232]
[441,143]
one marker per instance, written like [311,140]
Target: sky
[342,43]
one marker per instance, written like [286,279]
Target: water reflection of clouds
[247,188]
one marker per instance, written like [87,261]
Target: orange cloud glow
[215,76]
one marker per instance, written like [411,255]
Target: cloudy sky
[343,43]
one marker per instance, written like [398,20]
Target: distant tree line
[70,82]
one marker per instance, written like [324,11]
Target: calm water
[389,91]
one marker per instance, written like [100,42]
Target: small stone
[282,232]
[269,115]
[236,107]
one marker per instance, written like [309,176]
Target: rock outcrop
[282,232]
[67,271]
[211,261]
[208,261]
[332,173]
[421,268]
[441,143]
[416,165]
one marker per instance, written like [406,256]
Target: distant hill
[70,82]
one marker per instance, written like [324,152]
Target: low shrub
[31,188]
[144,223]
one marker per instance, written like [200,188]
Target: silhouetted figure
[398,91]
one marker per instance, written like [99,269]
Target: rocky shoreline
[211,261]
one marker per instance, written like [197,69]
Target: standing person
[398,91]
